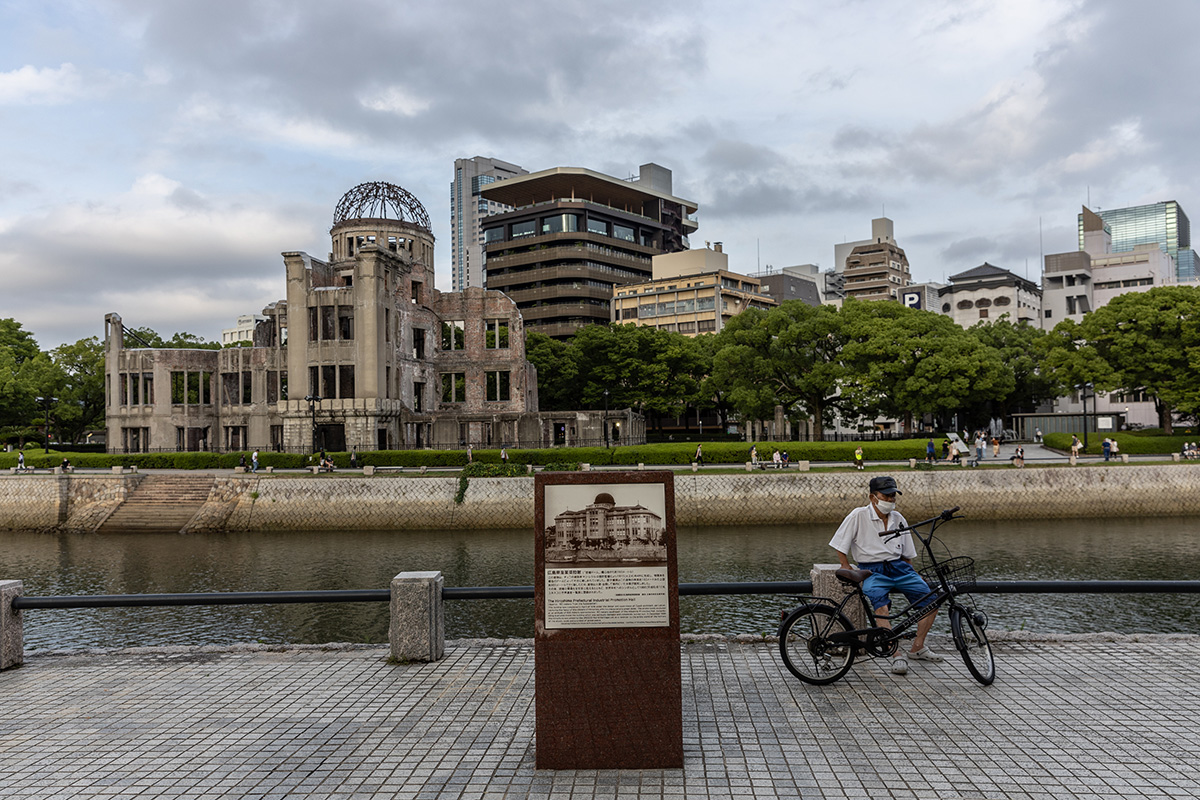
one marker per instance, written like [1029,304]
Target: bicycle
[819,643]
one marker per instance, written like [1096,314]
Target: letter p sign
[911,299]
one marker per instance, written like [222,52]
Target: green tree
[557,372]
[18,340]
[790,356]
[1021,348]
[904,363]
[81,399]
[1138,340]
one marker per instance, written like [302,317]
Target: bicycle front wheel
[972,642]
[805,646]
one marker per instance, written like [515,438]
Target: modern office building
[986,293]
[692,292]
[1163,224]
[575,234]
[802,282]
[243,331]
[467,210]
[1074,283]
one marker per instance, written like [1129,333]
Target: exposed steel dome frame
[380,200]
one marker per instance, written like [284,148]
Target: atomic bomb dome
[380,200]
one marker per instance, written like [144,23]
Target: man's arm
[842,557]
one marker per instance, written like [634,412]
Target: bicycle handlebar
[945,516]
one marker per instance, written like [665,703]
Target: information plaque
[606,597]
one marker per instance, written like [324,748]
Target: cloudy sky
[155,158]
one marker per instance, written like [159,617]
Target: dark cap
[884,484]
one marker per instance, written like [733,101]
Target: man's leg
[923,627]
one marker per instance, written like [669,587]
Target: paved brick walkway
[1076,719]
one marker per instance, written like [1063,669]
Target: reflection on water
[138,563]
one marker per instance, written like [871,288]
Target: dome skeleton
[380,200]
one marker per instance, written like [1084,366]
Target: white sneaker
[925,654]
[899,665]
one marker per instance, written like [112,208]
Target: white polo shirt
[858,537]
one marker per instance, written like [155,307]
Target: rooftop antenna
[758,254]
[1041,247]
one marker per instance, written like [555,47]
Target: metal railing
[526,592]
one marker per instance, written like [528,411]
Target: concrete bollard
[368,470]
[239,470]
[1073,460]
[826,584]
[912,463]
[423,470]
[1124,458]
[12,631]
[749,466]
[315,470]
[641,466]
[803,466]
[695,466]
[585,467]
[417,630]
[1174,456]
[269,470]
[117,470]
[529,469]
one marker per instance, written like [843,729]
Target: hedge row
[664,453]
[1135,444]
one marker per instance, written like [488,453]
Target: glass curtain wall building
[1164,224]
[468,208]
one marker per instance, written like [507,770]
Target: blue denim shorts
[899,576]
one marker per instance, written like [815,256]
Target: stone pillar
[418,624]
[12,632]
[826,584]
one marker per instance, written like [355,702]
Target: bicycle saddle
[852,576]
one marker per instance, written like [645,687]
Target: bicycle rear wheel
[972,642]
[806,650]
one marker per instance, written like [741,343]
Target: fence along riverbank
[342,502]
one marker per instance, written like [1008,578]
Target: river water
[50,564]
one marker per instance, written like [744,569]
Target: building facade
[803,282]
[468,208]
[243,331]
[574,235]
[877,271]
[363,353]
[692,292]
[987,293]
[1164,224]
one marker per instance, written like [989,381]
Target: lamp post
[312,409]
[605,423]
[46,401]
[1083,390]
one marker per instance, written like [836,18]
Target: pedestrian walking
[995,447]
[21,460]
[700,455]
[754,455]
[858,457]
[504,456]
[353,458]
[1019,457]
[1106,448]
[979,445]
[470,454]
[254,461]
[929,451]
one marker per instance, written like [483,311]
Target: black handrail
[525,592]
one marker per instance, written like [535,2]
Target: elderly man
[861,536]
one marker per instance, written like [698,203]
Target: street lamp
[46,401]
[1083,390]
[313,399]
[605,418]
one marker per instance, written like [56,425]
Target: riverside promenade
[1100,716]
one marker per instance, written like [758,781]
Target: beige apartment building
[692,292]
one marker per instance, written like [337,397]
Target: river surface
[61,564]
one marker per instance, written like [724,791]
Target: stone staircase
[160,504]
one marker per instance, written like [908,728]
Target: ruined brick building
[363,353]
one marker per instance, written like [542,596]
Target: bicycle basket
[959,570]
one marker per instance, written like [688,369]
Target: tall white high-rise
[467,211]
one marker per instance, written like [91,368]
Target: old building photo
[604,530]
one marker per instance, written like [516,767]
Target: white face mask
[885,506]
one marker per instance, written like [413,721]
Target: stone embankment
[249,503]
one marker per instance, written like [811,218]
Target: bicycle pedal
[908,635]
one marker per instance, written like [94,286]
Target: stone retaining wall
[394,503]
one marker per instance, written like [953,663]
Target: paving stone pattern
[1083,719]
